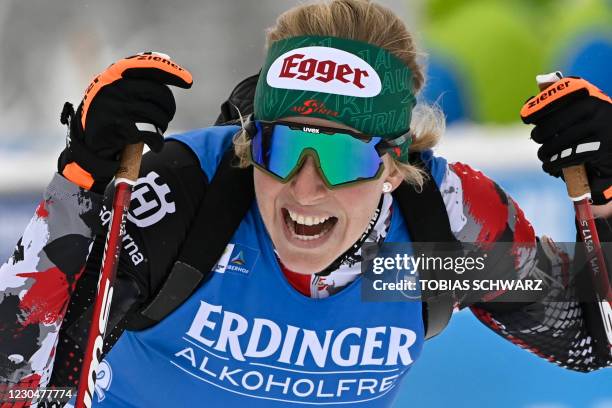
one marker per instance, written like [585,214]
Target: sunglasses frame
[381,148]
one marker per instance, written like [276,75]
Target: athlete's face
[311,225]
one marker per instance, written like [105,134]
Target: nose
[307,185]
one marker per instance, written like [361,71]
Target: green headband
[350,82]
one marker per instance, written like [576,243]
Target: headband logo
[313,106]
[324,69]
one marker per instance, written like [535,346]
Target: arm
[37,281]
[164,202]
[556,331]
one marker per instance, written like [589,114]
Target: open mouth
[308,228]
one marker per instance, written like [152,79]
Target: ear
[395,177]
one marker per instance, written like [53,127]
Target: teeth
[307,237]
[307,220]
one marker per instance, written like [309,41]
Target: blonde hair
[370,22]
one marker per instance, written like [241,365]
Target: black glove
[574,126]
[127,103]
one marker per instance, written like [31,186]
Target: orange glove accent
[558,90]
[78,176]
[147,66]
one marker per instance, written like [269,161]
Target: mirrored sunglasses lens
[343,158]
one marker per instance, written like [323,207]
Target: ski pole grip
[577,182]
[129,166]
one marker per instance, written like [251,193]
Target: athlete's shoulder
[175,156]
[479,210]
[436,165]
[208,144]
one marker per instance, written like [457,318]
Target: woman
[279,320]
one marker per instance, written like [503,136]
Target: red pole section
[124,181]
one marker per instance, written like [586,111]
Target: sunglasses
[343,157]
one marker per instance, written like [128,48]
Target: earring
[387,187]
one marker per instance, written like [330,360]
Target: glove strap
[79,165]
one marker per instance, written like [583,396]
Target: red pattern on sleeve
[46,301]
[483,202]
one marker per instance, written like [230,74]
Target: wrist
[602,211]
[85,169]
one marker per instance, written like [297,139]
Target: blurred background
[482,57]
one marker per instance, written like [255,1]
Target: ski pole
[579,192]
[125,178]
